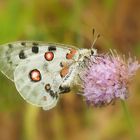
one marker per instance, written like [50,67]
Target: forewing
[13,53]
[23,61]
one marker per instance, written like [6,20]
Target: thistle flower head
[107,78]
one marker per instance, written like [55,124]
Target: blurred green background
[70,22]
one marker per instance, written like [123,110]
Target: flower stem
[129,120]
[30,122]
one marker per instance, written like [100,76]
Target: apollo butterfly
[42,71]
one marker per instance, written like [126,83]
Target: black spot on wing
[35,44]
[53,94]
[35,48]
[61,64]
[10,46]
[52,48]
[22,55]
[23,43]
[10,62]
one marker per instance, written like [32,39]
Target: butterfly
[42,71]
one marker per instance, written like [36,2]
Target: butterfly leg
[53,94]
[64,89]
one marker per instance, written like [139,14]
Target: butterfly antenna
[93,32]
[95,39]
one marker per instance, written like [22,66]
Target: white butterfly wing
[35,92]
[8,60]
[12,54]
[34,66]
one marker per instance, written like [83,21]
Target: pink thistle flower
[107,78]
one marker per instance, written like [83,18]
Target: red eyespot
[35,75]
[47,87]
[49,56]
[64,71]
[71,54]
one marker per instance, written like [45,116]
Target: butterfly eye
[93,51]
[35,75]
[49,56]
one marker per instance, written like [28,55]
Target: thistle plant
[107,78]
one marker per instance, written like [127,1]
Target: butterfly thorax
[76,65]
[85,54]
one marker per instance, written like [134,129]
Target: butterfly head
[86,53]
